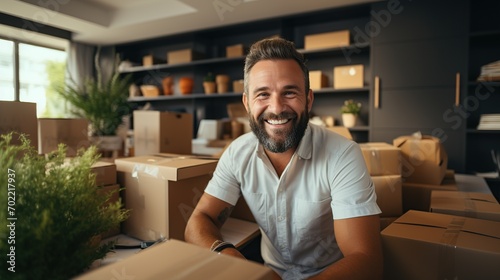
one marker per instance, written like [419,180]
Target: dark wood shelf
[336,50]
[482,131]
[184,97]
[184,65]
[344,90]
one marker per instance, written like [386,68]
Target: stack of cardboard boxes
[443,233]
[384,164]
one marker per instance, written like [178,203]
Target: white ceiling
[106,22]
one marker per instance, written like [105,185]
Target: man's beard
[291,137]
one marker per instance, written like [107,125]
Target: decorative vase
[167,84]
[349,120]
[186,85]
[107,143]
[209,87]
[222,83]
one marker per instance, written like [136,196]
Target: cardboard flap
[444,221]
[173,168]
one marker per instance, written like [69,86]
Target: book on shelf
[490,72]
[489,122]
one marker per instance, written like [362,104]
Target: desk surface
[471,183]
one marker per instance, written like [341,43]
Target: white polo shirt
[326,179]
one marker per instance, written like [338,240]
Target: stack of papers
[489,122]
[490,72]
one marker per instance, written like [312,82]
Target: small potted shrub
[209,83]
[350,112]
[53,217]
[103,103]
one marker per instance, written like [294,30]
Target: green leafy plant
[102,103]
[350,107]
[209,77]
[51,217]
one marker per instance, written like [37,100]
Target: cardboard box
[150,60]
[467,204]
[174,259]
[182,56]
[113,192]
[389,195]
[54,131]
[418,196]
[349,76]
[317,80]
[423,245]
[235,50]
[210,129]
[424,159]
[19,117]
[327,40]
[162,132]
[381,158]
[105,173]
[161,191]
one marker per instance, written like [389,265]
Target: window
[40,70]
[7,70]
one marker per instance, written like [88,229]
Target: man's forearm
[357,266]
[201,230]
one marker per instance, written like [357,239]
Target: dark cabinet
[482,97]
[419,65]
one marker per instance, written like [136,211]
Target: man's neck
[280,160]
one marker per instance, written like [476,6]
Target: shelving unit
[482,97]
[212,44]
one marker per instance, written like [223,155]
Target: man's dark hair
[274,49]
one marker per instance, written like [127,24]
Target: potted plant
[350,112]
[54,215]
[209,83]
[103,103]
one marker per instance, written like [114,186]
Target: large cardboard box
[418,196]
[182,56]
[19,117]
[423,245]
[342,130]
[161,191]
[105,173]
[389,195]
[174,259]
[55,131]
[467,204]
[111,191]
[349,76]
[317,80]
[327,40]
[381,158]
[424,159]
[162,132]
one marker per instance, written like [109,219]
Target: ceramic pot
[209,87]
[349,120]
[222,83]
[167,84]
[186,85]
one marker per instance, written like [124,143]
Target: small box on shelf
[317,80]
[182,56]
[349,76]
[327,40]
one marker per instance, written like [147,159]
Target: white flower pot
[107,143]
[349,120]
